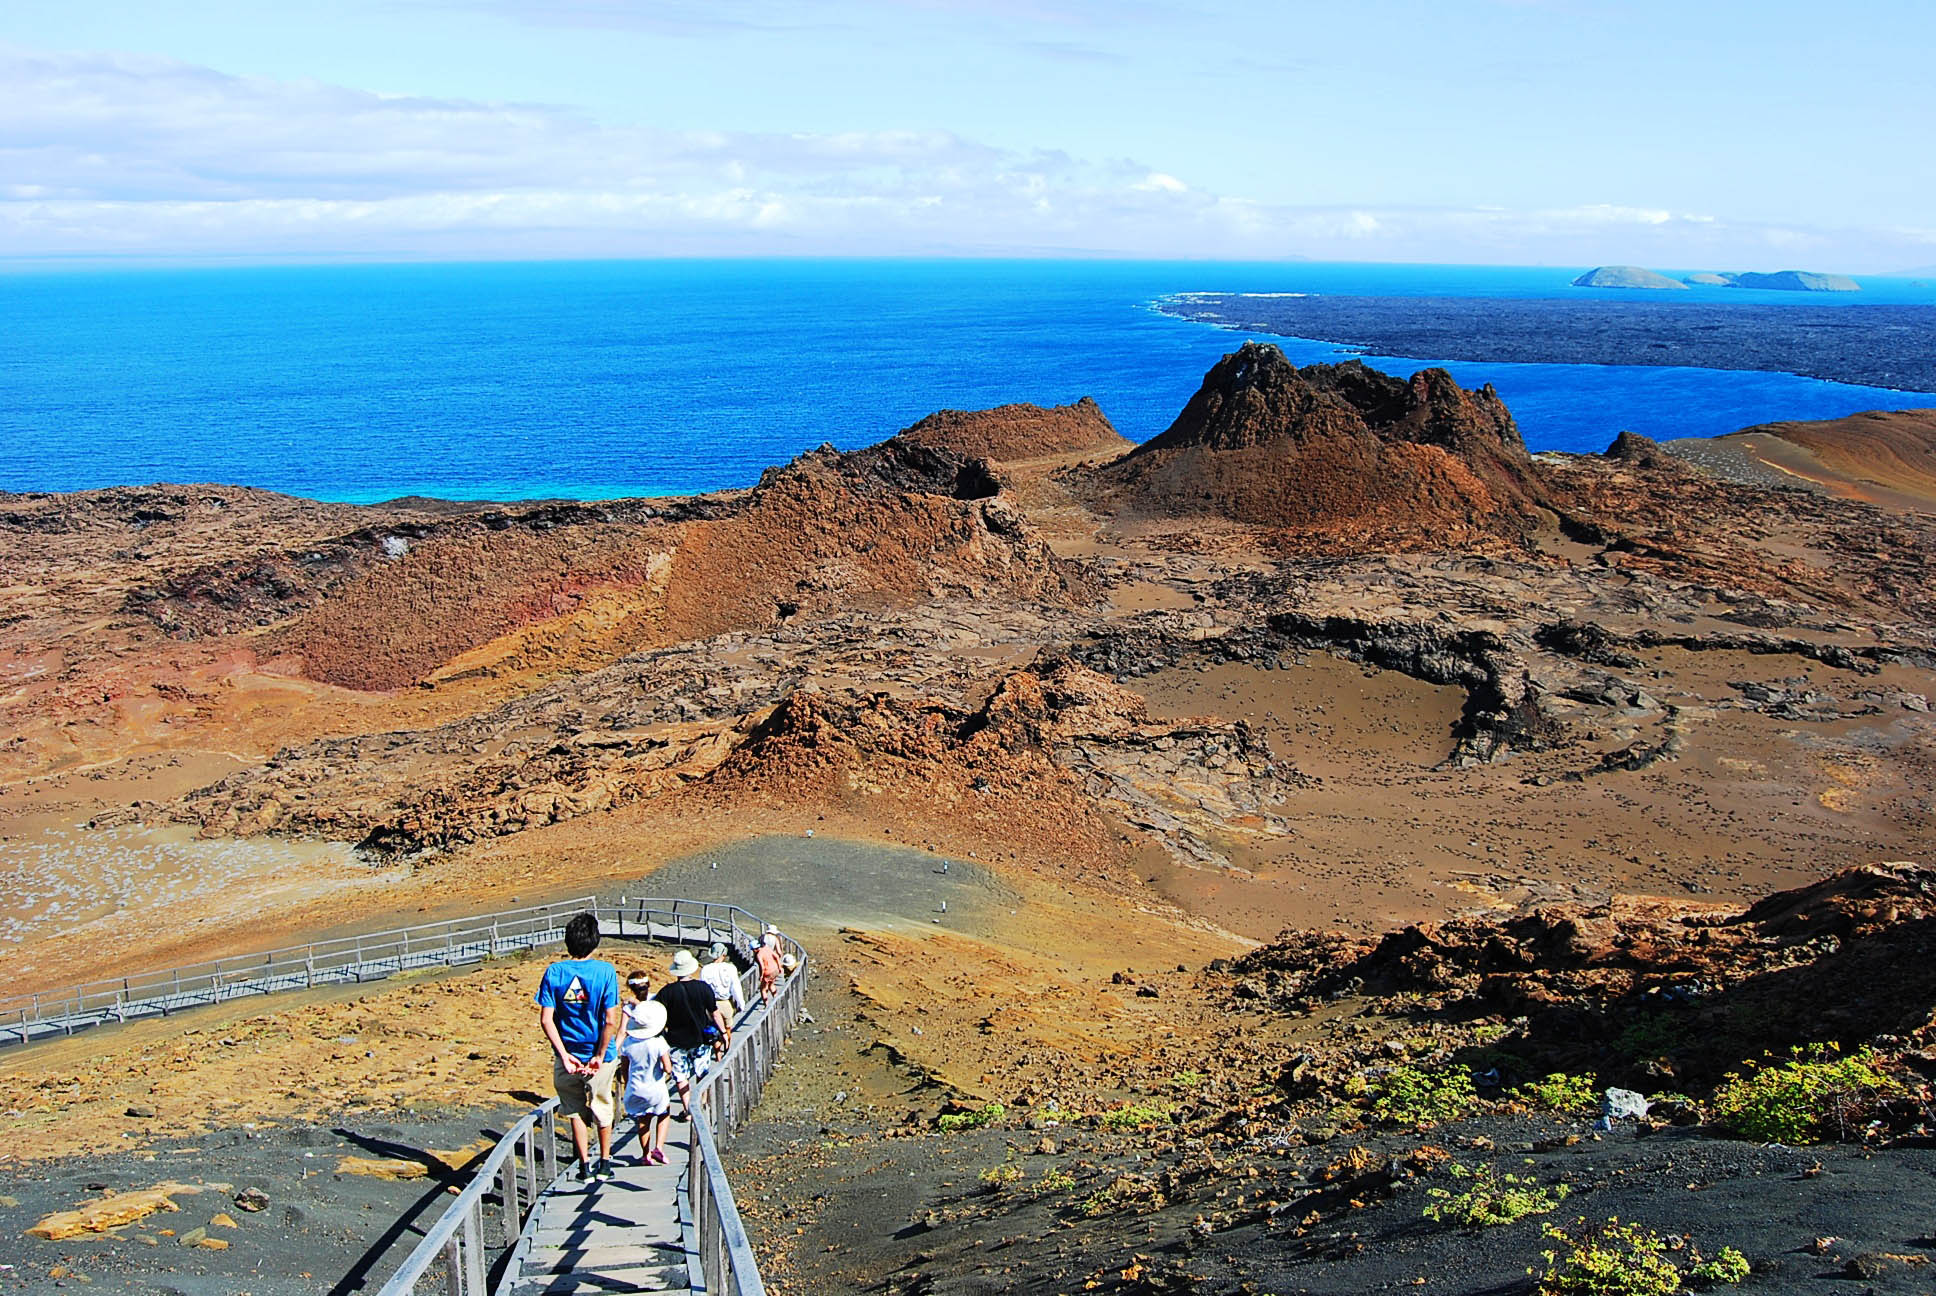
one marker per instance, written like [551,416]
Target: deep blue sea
[602,379]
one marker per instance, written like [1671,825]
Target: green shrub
[1489,1199]
[1560,1092]
[1610,1259]
[1724,1270]
[1099,1202]
[953,1122]
[1135,1115]
[1056,1181]
[997,1177]
[1409,1095]
[1187,1079]
[1814,1096]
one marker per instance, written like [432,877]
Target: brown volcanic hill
[891,525]
[1886,457]
[1338,454]
[1018,431]
[546,587]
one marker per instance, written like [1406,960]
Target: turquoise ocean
[604,379]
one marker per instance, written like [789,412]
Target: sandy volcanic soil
[1326,794]
[277,1093]
[1144,740]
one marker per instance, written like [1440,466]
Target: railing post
[530,1167]
[454,1267]
[473,1231]
[507,1191]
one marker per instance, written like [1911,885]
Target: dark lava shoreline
[1873,346]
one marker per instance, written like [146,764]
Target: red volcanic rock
[1641,452]
[1018,431]
[1337,454]
[1625,985]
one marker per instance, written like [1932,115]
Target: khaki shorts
[589,1098]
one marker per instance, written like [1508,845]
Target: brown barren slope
[1019,431]
[1883,457]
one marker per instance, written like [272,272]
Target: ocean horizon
[590,380]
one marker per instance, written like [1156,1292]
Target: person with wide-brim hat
[648,1076]
[694,1023]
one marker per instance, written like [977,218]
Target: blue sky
[1717,134]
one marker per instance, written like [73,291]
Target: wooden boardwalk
[658,1228]
[631,1234]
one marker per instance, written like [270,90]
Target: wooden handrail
[721,1101]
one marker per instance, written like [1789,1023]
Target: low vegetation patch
[1409,1095]
[1818,1094]
[1135,1115]
[1056,1181]
[954,1122]
[1488,1199]
[1610,1259]
[997,1177]
[1559,1092]
[1726,1268]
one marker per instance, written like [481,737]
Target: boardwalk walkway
[668,1228]
[628,1235]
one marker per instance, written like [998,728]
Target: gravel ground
[322,1231]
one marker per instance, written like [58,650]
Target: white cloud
[110,155]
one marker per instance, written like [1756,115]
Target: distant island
[1796,281]
[1782,281]
[1881,345]
[1627,276]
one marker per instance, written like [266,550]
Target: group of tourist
[663,1041]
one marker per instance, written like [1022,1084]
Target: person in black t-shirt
[694,1022]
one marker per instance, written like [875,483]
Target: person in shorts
[694,1023]
[723,977]
[769,960]
[648,1077]
[578,1011]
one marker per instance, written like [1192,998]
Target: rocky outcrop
[887,526]
[1628,276]
[1640,452]
[1018,431]
[1654,990]
[1337,455]
[1050,743]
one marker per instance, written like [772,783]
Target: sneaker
[584,1173]
[655,1157]
[605,1172]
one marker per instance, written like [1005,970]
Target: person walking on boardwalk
[723,977]
[648,1077]
[578,1010]
[694,1022]
[769,960]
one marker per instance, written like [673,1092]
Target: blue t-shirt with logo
[579,993]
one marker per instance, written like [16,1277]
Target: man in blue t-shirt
[579,1010]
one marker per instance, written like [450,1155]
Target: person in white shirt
[723,977]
